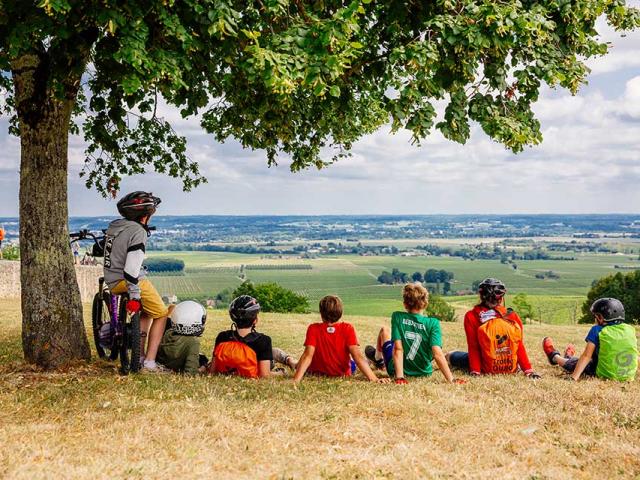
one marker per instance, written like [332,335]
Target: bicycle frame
[124,331]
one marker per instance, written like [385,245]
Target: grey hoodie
[124,251]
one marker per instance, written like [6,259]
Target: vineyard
[284,266]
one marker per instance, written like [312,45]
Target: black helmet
[491,289]
[611,309]
[138,204]
[243,310]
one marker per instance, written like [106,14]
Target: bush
[624,287]
[522,306]
[11,252]
[440,309]
[223,298]
[274,298]
[164,264]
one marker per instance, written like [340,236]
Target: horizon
[393,215]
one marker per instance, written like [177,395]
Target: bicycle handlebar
[84,235]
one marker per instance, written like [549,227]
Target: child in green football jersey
[414,340]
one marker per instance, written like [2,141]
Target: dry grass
[88,422]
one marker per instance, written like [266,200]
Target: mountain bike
[116,333]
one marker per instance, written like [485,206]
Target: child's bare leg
[145,323]
[155,337]
[383,336]
[284,358]
[560,360]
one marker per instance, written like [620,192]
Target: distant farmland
[354,278]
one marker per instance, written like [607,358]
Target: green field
[353,278]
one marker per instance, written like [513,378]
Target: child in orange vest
[494,336]
[243,351]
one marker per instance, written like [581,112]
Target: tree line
[164,264]
[431,276]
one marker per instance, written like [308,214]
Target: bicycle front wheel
[130,348]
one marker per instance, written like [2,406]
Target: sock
[378,355]
[149,364]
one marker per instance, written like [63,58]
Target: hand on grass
[133,306]
[459,381]
[401,381]
[383,380]
[534,376]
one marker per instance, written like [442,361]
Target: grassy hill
[89,422]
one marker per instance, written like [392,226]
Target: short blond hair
[415,296]
[331,308]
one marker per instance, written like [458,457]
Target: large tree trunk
[52,327]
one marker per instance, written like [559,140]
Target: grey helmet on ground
[243,310]
[135,205]
[611,309]
[189,318]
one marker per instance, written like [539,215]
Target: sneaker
[570,351]
[549,350]
[370,353]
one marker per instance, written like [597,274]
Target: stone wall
[10,280]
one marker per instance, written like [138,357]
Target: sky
[588,162]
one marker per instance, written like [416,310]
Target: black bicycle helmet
[243,310]
[491,289]
[138,204]
[611,309]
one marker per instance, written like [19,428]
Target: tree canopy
[295,77]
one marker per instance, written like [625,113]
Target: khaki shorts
[152,303]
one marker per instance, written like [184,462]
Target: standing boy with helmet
[414,340]
[124,252]
[243,351]
[180,346]
[494,336]
[612,347]
[330,345]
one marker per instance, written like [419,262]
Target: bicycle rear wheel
[97,320]
[130,348]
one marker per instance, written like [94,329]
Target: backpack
[618,355]
[499,339]
[235,357]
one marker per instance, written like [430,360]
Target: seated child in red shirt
[330,345]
